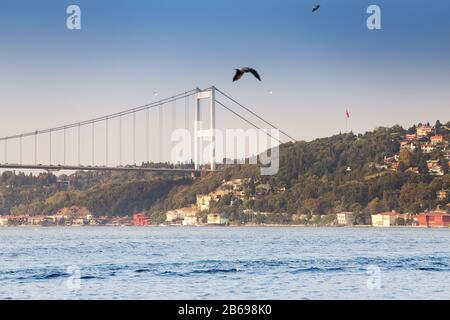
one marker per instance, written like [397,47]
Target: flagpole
[347,115]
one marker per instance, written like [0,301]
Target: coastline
[228,226]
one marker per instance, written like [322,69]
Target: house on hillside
[415,170]
[407,145]
[447,154]
[410,137]
[434,168]
[428,147]
[442,194]
[203,202]
[437,139]
[423,131]
[262,189]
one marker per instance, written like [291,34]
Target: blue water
[224,263]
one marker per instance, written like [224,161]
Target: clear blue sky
[316,65]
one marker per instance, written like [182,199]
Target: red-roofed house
[423,131]
[437,139]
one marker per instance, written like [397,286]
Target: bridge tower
[199,132]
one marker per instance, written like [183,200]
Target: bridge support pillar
[198,128]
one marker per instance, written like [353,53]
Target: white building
[3,221]
[203,202]
[345,218]
[172,215]
[385,219]
[182,214]
[190,221]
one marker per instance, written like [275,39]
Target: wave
[432,269]
[200,271]
[51,275]
[142,270]
[317,269]
[88,277]
[216,270]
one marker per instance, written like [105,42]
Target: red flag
[347,114]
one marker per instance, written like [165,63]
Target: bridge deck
[98,168]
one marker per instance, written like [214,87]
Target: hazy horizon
[315,66]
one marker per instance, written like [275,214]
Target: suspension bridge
[99,144]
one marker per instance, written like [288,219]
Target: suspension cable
[256,115]
[111,116]
[248,121]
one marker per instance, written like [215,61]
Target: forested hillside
[324,176]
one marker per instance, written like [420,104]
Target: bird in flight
[316,8]
[240,72]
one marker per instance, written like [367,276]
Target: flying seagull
[240,72]
[316,8]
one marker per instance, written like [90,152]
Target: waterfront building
[435,219]
[3,221]
[345,218]
[36,220]
[181,214]
[140,220]
[216,219]
[186,212]
[189,215]
[190,221]
[78,222]
[171,216]
[386,219]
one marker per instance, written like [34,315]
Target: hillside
[385,169]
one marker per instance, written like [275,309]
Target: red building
[140,219]
[434,219]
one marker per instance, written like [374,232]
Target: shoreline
[227,226]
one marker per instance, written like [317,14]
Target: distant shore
[224,226]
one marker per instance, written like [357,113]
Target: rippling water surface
[224,263]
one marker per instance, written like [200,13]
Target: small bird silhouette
[240,72]
[316,8]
